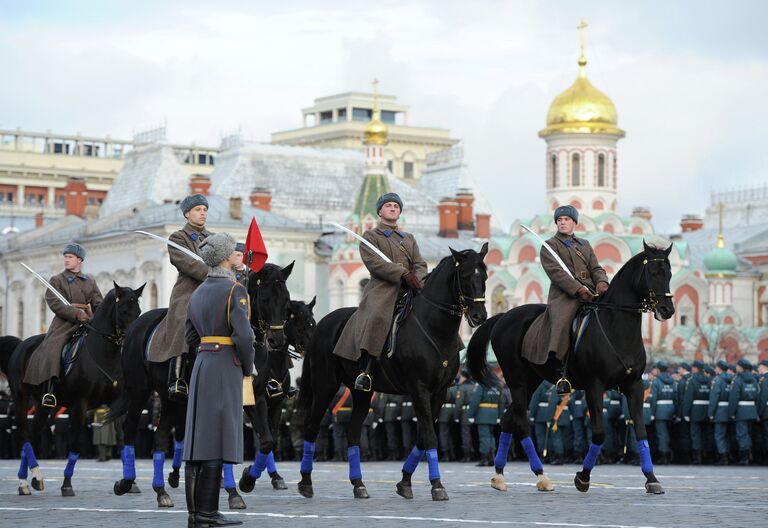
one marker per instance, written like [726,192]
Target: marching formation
[385,377]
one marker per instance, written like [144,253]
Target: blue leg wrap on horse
[591,459]
[229,477]
[307,457]
[23,473]
[505,440]
[158,459]
[129,462]
[434,469]
[69,469]
[413,460]
[258,465]
[271,467]
[353,455]
[30,454]
[645,456]
[178,449]
[533,456]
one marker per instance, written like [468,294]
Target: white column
[51,196]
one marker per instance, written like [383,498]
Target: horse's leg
[426,444]
[260,421]
[521,390]
[38,422]
[505,440]
[635,396]
[20,413]
[320,401]
[128,456]
[275,408]
[361,402]
[77,421]
[168,416]
[178,450]
[594,396]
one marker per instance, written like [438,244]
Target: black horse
[423,366]
[610,354]
[269,306]
[93,378]
[270,388]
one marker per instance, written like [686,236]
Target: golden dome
[582,109]
[376,132]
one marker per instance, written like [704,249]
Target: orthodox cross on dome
[581,27]
[375,95]
[720,238]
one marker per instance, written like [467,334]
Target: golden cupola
[582,108]
[376,131]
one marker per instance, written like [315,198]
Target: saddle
[402,310]
[578,327]
[71,350]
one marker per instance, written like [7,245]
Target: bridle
[465,301]
[116,339]
[262,325]
[646,304]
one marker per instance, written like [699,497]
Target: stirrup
[363,382]
[563,386]
[274,388]
[49,400]
[291,392]
[178,390]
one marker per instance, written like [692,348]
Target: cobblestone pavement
[695,496]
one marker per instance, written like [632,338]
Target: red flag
[255,245]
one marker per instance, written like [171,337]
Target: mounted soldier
[566,292]
[84,297]
[363,338]
[167,342]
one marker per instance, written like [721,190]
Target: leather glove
[584,295]
[412,280]
[601,287]
[82,316]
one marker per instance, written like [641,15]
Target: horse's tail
[478,350]
[7,345]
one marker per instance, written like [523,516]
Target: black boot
[177,386]
[207,497]
[363,382]
[696,458]
[49,399]
[744,457]
[191,472]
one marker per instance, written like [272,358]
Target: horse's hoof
[439,494]
[305,490]
[123,486]
[404,490]
[67,491]
[360,492]
[236,502]
[581,485]
[278,483]
[247,482]
[654,487]
[134,489]
[173,478]
[498,482]
[163,499]
[544,484]
[38,485]
[24,490]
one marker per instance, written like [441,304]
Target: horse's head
[471,274]
[119,308]
[654,281]
[300,326]
[270,303]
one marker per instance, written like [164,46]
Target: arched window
[601,170]
[576,169]
[554,170]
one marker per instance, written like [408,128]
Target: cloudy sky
[689,79]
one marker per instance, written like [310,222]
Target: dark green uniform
[445,420]
[579,424]
[762,414]
[391,419]
[342,402]
[539,412]
[718,412]
[742,408]
[663,404]
[612,425]
[407,425]
[485,410]
[694,410]
[462,406]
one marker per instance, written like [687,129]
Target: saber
[364,241]
[172,244]
[554,255]
[46,284]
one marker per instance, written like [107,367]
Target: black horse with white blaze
[423,366]
[610,354]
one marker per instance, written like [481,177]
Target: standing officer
[560,428]
[612,425]
[407,425]
[539,412]
[694,409]
[84,297]
[224,337]
[341,406]
[578,407]
[682,428]
[445,421]
[742,407]
[485,411]
[168,343]
[391,418]
[663,404]
[718,410]
[762,409]
[466,387]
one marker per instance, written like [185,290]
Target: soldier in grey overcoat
[367,329]
[84,297]
[217,323]
[551,331]
[167,341]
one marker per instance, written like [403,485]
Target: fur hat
[567,210]
[388,197]
[74,249]
[217,248]
[192,201]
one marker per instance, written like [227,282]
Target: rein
[456,310]
[262,326]
[115,338]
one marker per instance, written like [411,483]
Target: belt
[664,402]
[583,275]
[491,405]
[617,402]
[722,404]
[577,402]
[407,404]
[465,406]
[64,416]
[345,408]
[746,404]
[701,402]
[391,405]
[449,405]
[646,405]
[543,404]
[219,340]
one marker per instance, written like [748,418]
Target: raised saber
[172,244]
[46,284]
[554,255]
[364,241]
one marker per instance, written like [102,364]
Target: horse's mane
[442,262]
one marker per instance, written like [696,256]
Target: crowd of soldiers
[695,413]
